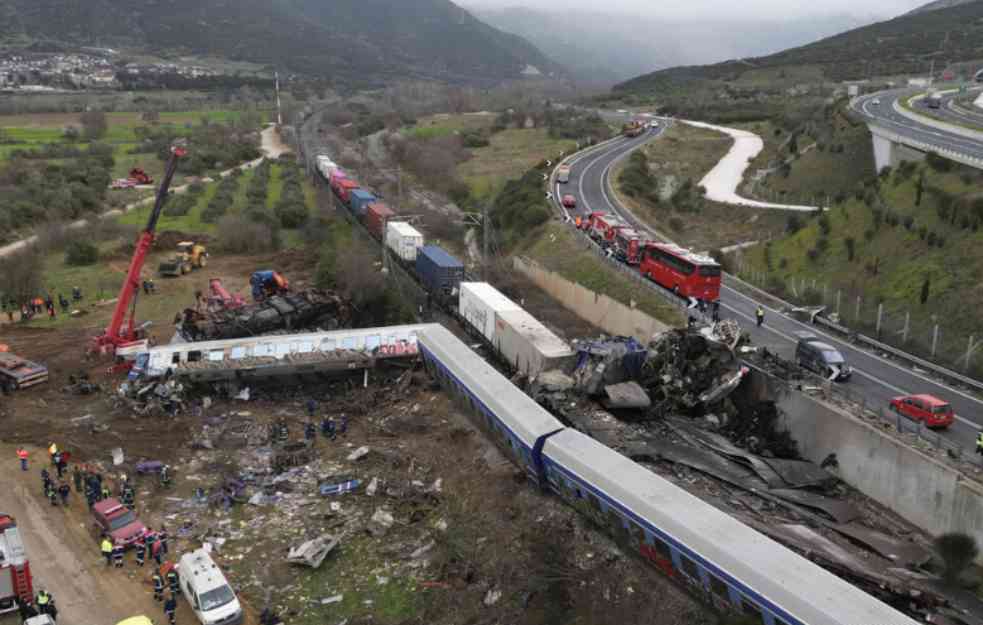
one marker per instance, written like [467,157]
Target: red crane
[116,335]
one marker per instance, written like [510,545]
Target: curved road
[885,115]
[876,378]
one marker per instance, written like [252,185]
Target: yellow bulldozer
[189,256]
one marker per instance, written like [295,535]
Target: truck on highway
[633,128]
[934,100]
[15,569]
[563,173]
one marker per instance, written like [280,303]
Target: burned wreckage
[687,406]
[289,312]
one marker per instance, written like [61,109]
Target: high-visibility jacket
[107,547]
[979,440]
[760,312]
[22,454]
[43,598]
[158,582]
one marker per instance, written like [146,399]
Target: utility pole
[484,241]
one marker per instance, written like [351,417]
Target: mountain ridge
[360,40]
[903,45]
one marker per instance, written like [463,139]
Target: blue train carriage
[517,424]
[724,561]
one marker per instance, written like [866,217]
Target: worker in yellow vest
[52,450]
[107,550]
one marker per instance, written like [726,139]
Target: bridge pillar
[883,150]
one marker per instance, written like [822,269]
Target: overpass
[899,134]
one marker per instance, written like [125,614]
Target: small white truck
[563,174]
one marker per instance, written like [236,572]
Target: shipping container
[326,167]
[345,188]
[403,239]
[359,199]
[376,216]
[527,345]
[440,272]
[478,303]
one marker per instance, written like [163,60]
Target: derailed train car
[732,566]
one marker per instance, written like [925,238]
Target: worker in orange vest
[22,455]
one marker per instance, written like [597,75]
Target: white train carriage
[732,565]
[516,422]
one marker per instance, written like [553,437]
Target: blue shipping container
[440,272]
[360,199]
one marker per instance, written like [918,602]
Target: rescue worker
[107,550]
[979,443]
[716,311]
[52,450]
[118,552]
[104,493]
[165,476]
[283,432]
[155,549]
[760,315]
[172,581]
[43,601]
[344,425]
[141,548]
[328,428]
[61,463]
[311,408]
[310,432]
[162,537]
[76,294]
[77,477]
[63,490]
[128,497]
[22,455]
[45,480]
[158,586]
[52,494]
[148,540]
[169,607]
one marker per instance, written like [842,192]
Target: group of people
[44,603]
[152,545]
[38,305]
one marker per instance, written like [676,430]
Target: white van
[206,589]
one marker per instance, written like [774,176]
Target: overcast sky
[711,9]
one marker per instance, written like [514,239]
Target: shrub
[793,224]
[822,244]
[238,234]
[851,248]
[676,224]
[824,225]
[957,552]
[80,253]
[909,222]
[813,254]
[938,163]
[869,235]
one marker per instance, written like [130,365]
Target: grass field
[511,154]
[444,124]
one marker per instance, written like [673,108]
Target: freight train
[729,564]
[517,337]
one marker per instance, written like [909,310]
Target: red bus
[686,273]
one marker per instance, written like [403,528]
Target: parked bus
[686,273]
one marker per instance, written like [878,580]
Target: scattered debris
[339,488]
[492,597]
[313,552]
[626,396]
[358,454]
[380,523]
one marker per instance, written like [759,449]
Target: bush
[238,234]
[937,163]
[824,225]
[81,253]
[793,224]
[957,552]
[909,222]
[822,244]
[851,247]
[676,224]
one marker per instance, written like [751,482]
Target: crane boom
[115,335]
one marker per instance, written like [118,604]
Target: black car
[821,358]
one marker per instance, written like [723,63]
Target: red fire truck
[688,274]
[602,227]
[628,244]
[15,570]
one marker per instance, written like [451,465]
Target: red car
[112,518]
[569,201]
[934,412]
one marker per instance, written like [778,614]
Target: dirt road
[65,559]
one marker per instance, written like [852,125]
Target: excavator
[121,333]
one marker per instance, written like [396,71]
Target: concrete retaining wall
[610,315]
[932,495]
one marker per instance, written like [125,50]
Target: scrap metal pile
[308,309]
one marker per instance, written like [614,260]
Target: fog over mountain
[607,47]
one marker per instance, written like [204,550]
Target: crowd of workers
[38,305]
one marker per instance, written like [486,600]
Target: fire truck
[15,570]
[602,227]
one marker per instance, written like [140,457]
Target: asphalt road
[884,115]
[965,114]
[874,378]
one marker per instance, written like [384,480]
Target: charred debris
[685,405]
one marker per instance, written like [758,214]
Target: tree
[851,248]
[79,253]
[94,124]
[957,551]
[926,289]
[919,189]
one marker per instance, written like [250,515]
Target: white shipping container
[527,344]
[403,239]
[478,302]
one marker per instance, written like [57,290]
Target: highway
[875,378]
[885,115]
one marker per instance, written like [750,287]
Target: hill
[899,46]
[366,41]
[599,47]
[939,4]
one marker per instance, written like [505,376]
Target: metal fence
[918,332]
